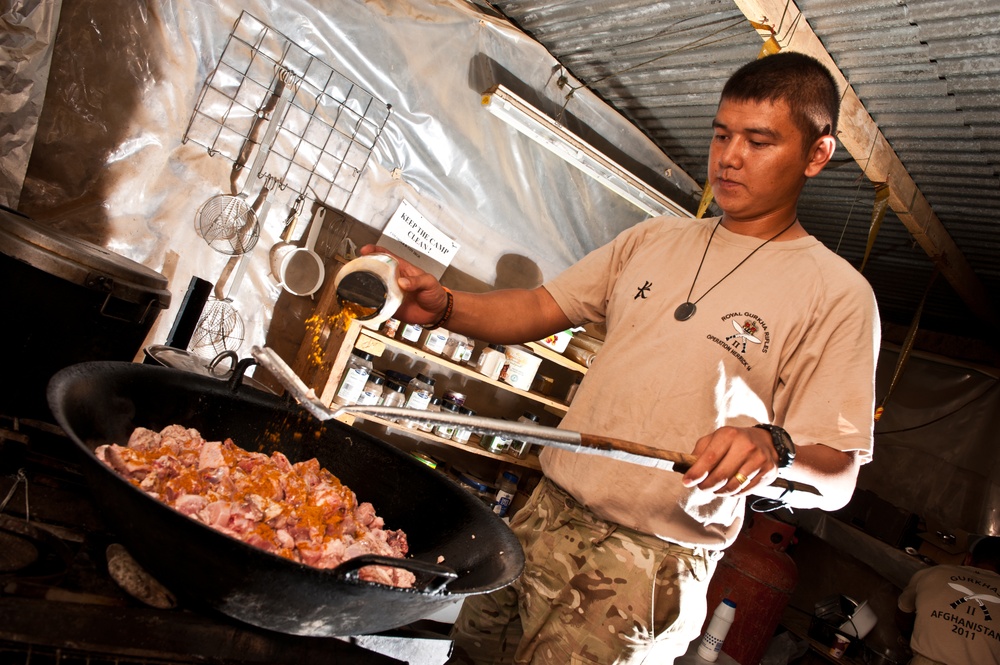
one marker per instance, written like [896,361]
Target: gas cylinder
[759,576]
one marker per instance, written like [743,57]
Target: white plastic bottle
[718,627]
[508,487]
[491,360]
[369,284]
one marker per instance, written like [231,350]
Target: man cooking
[740,339]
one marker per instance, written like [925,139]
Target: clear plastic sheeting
[935,445]
[110,163]
[27,32]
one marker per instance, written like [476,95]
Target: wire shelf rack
[326,133]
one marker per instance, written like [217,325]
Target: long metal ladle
[625,451]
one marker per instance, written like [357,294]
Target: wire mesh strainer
[228,224]
[220,328]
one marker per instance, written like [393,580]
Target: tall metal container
[760,577]
[65,301]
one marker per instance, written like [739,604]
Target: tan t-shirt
[957,609]
[791,337]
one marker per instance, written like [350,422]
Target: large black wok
[102,402]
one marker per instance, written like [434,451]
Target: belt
[583,514]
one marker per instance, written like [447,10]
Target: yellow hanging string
[904,353]
[878,214]
[706,200]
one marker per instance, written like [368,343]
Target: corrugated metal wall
[928,71]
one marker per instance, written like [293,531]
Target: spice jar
[458,348]
[434,405]
[371,394]
[359,366]
[398,377]
[443,430]
[394,394]
[390,327]
[425,459]
[495,443]
[435,340]
[419,393]
[463,434]
[491,361]
[411,332]
[520,449]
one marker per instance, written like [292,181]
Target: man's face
[757,163]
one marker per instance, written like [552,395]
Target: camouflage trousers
[591,592]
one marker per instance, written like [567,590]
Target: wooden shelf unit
[338,344]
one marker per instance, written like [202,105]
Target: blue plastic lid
[475,483]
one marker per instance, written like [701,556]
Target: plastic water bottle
[718,627]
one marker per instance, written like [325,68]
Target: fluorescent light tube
[531,122]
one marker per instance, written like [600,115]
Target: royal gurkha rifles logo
[745,333]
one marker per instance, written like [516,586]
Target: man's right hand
[424,299]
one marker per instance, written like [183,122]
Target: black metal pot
[102,402]
[66,301]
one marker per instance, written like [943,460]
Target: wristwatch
[782,444]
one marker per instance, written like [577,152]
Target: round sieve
[228,224]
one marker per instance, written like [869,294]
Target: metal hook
[293,214]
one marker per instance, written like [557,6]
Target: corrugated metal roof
[927,71]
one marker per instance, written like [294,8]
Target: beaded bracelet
[447,310]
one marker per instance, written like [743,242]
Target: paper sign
[409,235]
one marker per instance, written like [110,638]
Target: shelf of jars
[530,461]
[358,337]
[375,343]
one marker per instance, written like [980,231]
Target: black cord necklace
[687,308]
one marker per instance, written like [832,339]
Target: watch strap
[782,443]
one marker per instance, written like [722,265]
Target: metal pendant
[684,311]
